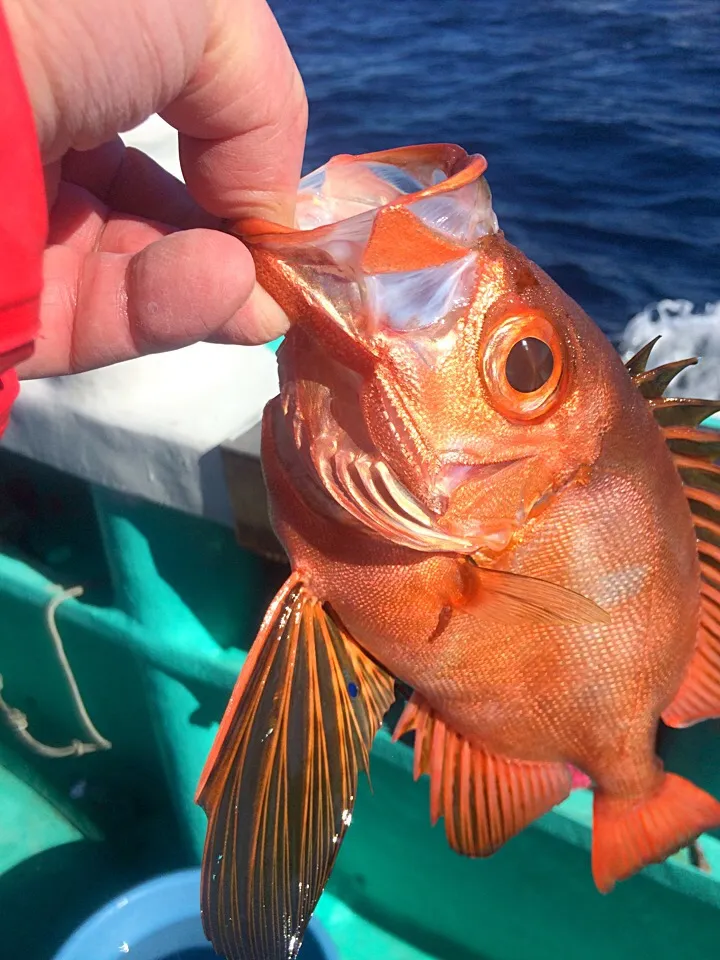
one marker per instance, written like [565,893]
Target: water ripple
[599,119]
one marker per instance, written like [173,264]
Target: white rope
[18,721]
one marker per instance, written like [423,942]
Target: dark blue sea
[600,122]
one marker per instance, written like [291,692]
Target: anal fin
[484,799]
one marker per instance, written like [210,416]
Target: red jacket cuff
[23,223]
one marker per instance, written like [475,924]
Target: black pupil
[529,365]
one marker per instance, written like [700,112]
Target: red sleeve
[23,223]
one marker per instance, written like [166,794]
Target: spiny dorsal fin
[638,363]
[654,383]
[694,449]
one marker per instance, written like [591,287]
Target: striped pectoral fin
[280,783]
[694,449]
[485,799]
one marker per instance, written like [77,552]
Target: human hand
[135,263]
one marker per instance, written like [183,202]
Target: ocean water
[600,121]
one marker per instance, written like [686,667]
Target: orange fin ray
[693,448]
[281,780]
[484,799]
[511,598]
[709,552]
[710,573]
[683,411]
[708,531]
[629,834]
[702,443]
[699,695]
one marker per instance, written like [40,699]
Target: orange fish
[478,498]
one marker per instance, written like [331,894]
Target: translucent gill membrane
[347,241]
[346,186]
[420,299]
[317,210]
[339,296]
[313,182]
[396,177]
[345,197]
[466,214]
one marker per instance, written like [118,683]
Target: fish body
[478,498]
[574,693]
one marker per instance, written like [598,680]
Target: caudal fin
[631,834]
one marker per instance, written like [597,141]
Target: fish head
[443,351]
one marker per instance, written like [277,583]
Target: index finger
[242,117]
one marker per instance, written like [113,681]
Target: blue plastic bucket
[160,920]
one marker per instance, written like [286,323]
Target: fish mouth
[368,491]
[365,487]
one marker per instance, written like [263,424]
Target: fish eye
[529,365]
[524,366]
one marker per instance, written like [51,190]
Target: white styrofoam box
[149,427]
